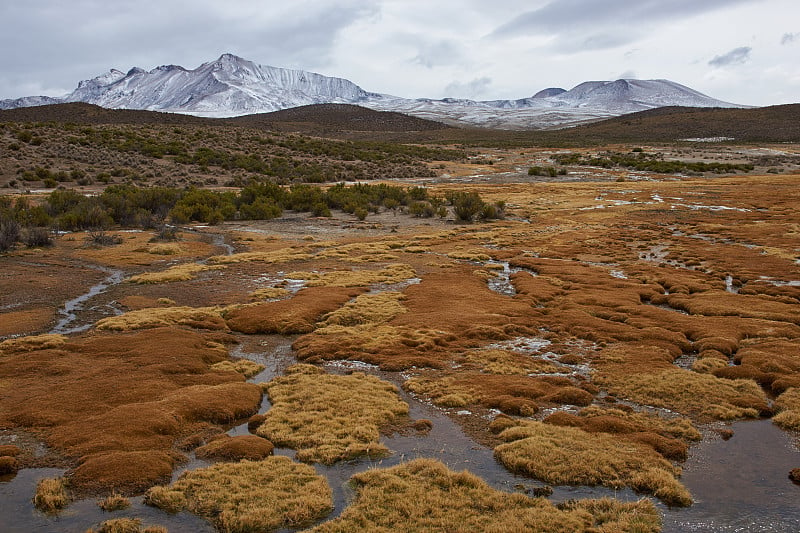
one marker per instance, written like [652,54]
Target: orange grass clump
[236,448]
[182,272]
[295,315]
[567,455]
[51,495]
[328,418]
[424,495]
[100,397]
[249,495]
[154,317]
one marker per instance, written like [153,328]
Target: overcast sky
[742,51]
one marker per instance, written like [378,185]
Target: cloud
[789,38]
[472,89]
[734,57]
[623,21]
[438,54]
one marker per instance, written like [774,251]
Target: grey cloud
[735,56]
[471,89]
[789,38]
[623,21]
[59,43]
[438,54]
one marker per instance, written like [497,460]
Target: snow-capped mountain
[232,86]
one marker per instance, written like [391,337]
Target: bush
[466,205]
[9,234]
[36,237]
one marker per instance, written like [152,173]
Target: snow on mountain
[232,86]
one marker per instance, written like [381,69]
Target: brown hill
[338,117]
[81,113]
[668,124]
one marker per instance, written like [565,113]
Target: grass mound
[249,495]
[183,272]
[327,417]
[424,495]
[566,455]
[236,448]
[154,317]
[51,495]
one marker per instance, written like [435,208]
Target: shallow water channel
[739,485]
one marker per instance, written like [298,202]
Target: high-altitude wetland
[271,326]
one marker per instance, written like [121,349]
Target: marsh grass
[114,502]
[236,448]
[244,367]
[497,361]
[366,309]
[31,343]
[126,525]
[567,455]
[270,293]
[249,495]
[153,317]
[788,404]
[689,393]
[182,272]
[424,495]
[394,273]
[329,418]
[51,495]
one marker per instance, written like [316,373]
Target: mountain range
[233,86]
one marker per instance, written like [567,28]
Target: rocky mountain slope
[232,86]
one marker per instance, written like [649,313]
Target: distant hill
[338,117]
[764,124]
[81,113]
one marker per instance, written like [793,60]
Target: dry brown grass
[154,317]
[788,405]
[270,293]
[244,367]
[31,343]
[236,448]
[327,417]
[496,361]
[689,393]
[126,525]
[183,272]
[100,397]
[512,394]
[424,495]
[295,315]
[249,495]
[366,309]
[395,273]
[114,502]
[51,495]
[566,455]
[283,255]
[26,321]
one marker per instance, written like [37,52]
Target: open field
[592,333]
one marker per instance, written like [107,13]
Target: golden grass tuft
[366,309]
[164,249]
[497,361]
[114,502]
[276,256]
[270,293]
[153,317]
[424,495]
[31,343]
[182,272]
[567,455]
[127,525]
[244,367]
[788,405]
[51,495]
[328,418]
[689,393]
[249,495]
[395,273]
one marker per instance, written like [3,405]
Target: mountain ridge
[232,86]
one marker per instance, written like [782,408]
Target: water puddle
[741,484]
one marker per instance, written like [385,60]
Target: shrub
[466,205]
